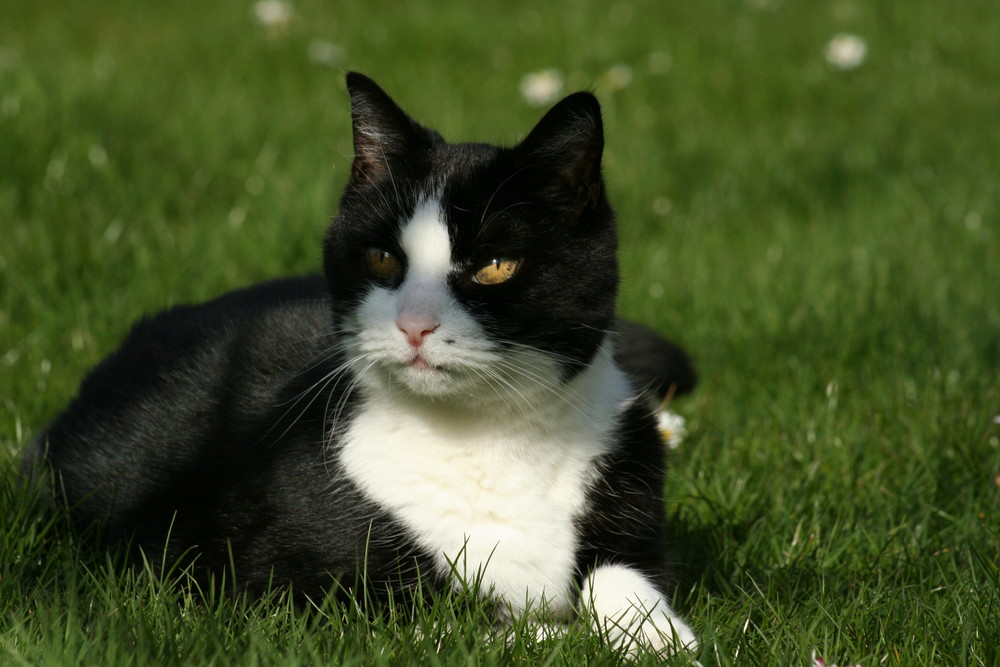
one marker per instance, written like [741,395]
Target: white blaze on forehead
[426,244]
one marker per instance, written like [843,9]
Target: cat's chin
[425,379]
[459,388]
[422,379]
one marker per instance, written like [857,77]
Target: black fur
[209,422]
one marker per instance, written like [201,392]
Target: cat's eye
[383,264]
[497,271]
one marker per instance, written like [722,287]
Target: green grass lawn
[824,240]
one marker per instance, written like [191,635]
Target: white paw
[628,610]
[663,633]
[637,632]
[549,631]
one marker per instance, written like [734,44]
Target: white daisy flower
[672,427]
[819,662]
[542,87]
[846,51]
[619,76]
[97,156]
[273,13]
[326,53]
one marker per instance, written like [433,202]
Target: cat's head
[470,270]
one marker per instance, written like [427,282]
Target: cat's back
[185,388]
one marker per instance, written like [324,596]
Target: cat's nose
[416,326]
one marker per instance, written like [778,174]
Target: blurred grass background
[825,240]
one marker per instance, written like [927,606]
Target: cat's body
[444,405]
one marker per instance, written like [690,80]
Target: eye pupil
[498,270]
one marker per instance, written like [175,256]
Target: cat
[444,404]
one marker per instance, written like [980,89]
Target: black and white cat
[445,401]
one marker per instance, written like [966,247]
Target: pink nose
[416,326]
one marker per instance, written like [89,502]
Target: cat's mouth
[420,364]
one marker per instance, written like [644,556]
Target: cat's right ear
[568,143]
[383,134]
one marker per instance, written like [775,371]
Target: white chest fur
[495,498]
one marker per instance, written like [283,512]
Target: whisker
[333,418]
[555,389]
[315,390]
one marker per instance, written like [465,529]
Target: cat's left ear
[384,135]
[568,142]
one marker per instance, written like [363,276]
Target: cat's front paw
[662,633]
[626,609]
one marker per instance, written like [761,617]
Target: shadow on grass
[715,554]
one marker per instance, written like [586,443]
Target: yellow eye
[498,271]
[383,264]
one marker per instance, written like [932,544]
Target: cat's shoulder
[183,359]
[191,371]
[261,317]
[302,299]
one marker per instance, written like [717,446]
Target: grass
[825,242]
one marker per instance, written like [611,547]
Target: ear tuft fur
[383,133]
